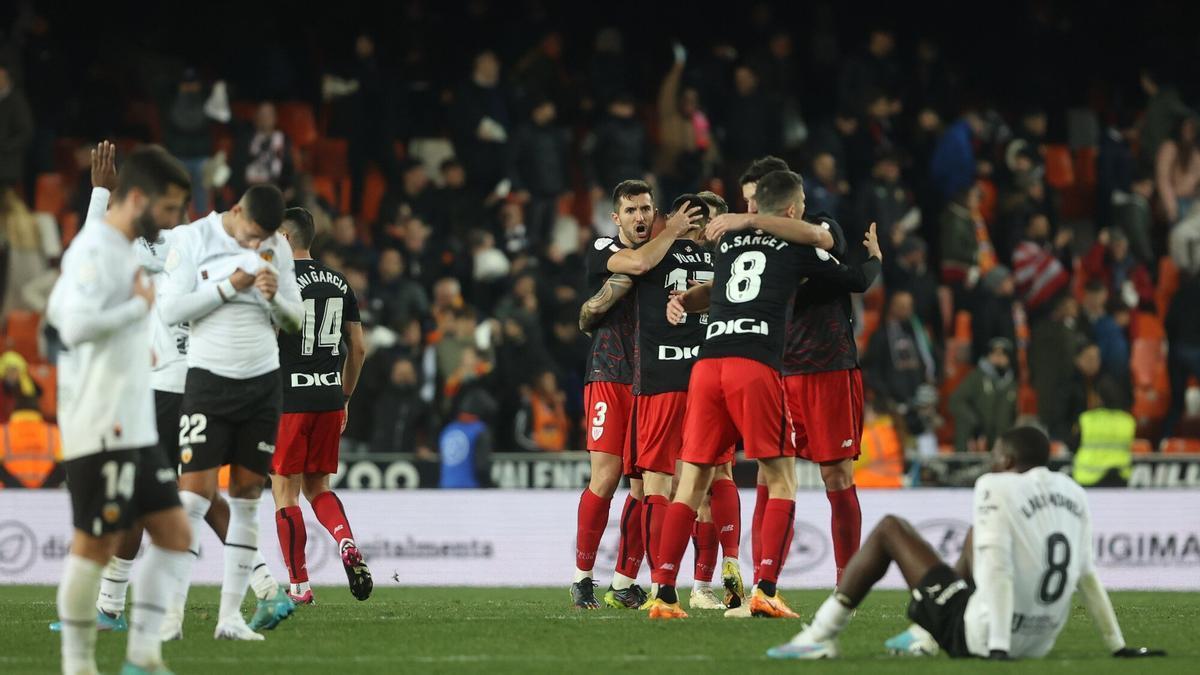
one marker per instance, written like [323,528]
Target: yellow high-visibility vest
[1106,443]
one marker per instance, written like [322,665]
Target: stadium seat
[51,194]
[1187,446]
[987,199]
[870,319]
[21,334]
[329,157]
[296,119]
[1026,400]
[373,190]
[68,225]
[962,325]
[243,111]
[47,378]
[1142,446]
[1147,326]
[1085,167]
[874,298]
[1168,283]
[1060,172]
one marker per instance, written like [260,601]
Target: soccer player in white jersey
[232,278]
[116,474]
[167,379]
[1029,549]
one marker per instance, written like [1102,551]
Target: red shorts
[607,406]
[827,409]
[307,442]
[731,398]
[656,432]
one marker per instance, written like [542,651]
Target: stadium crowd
[1039,259]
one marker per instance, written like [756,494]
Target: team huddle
[735,331]
[186,349]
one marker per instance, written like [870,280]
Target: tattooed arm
[593,310]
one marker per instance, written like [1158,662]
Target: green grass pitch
[442,630]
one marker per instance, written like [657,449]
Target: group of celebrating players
[187,348]
[729,331]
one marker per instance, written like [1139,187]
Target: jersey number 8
[745,279]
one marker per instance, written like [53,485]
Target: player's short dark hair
[1028,446]
[264,205]
[716,204]
[301,229]
[761,167]
[628,189]
[151,170]
[777,190]
[692,200]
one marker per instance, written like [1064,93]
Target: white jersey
[104,397]
[232,332]
[169,342]
[1032,545]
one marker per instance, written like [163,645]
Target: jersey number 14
[330,335]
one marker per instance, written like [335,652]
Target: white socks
[160,577]
[114,583]
[261,581]
[620,582]
[77,593]
[241,550]
[580,575]
[831,619]
[702,585]
[196,508]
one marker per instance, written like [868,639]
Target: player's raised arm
[182,301]
[104,180]
[75,303]
[789,229]
[637,261]
[992,554]
[594,308]
[852,278]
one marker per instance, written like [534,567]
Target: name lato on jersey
[738,327]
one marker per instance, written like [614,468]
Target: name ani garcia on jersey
[320,276]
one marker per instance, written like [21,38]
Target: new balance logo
[727,528]
[767,561]
[736,327]
[848,442]
[339,528]
[668,566]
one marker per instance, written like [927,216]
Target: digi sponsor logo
[946,535]
[18,547]
[1148,549]
[737,327]
[300,380]
[670,353]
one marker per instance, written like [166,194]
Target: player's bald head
[1022,448]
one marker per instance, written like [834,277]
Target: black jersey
[664,354]
[611,357]
[820,334]
[311,360]
[756,280]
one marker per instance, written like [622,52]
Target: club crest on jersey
[268,254]
[111,512]
[185,455]
[597,432]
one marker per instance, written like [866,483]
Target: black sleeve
[350,308]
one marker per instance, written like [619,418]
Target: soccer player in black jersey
[318,380]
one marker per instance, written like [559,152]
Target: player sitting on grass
[1026,518]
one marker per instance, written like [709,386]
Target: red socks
[727,516]
[632,548]
[676,531]
[778,518]
[331,514]
[846,526]
[592,518]
[654,512]
[704,539]
[756,542]
[289,524]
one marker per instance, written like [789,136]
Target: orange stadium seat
[1142,446]
[329,157]
[870,319]
[987,199]
[243,111]
[1181,446]
[1168,283]
[21,334]
[51,194]
[1085,166]
[296,119]
[68,225]
[46,377]
[1060,170]
[374,188]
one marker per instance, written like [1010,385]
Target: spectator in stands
[953,165]
[1183,242]
[539,171]
[901,358]
[30,447]
[457,209]
[1183,339]
[512,229]
[21,256]
[447,299]
[609,70]
[960,245]
[16,128]
[883,200]
[875,69]
[465,445]
[368,96]
[686,148]
[1131,213]
[396,299]
[474,372]
[480,124]
[841,138]
[18,390]
[992,312]
[1111,262]
[1053,346]
[348,245]
[1104,451]
[568,349]
[541,75]
[423,262]
[881,464]
[1025,196]
[413,196]
[1115,166]
[985,403]
[264,155]
[822,190]
[306,197]
[752,127]
[908,271]
[1041,269]
[1029,136]
[1177,169]
[458,336]
[1084,392]
[541,423]
[489,268]
[186,133]
[393,411]
[1163,110]
[617,148]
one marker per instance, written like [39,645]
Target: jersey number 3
[330,336]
